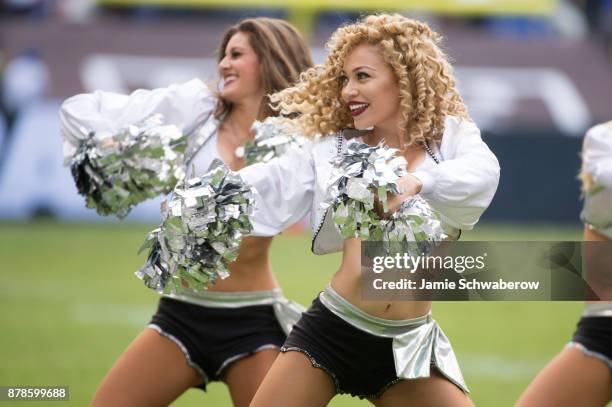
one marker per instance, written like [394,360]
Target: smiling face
[370,89]
[240,70]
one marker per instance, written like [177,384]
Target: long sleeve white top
[188,106]
[460,188]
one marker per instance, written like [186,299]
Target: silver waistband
[287,312]
[229,299]
[388,328]
[601,309]
[417,342]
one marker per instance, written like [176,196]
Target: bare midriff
[251,271]
[347,280]
[347,283]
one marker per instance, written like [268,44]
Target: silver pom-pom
[273,137]
[204,220]
[359,175]
[140,162]
[415,227]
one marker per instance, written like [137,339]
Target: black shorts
[212,338]
[319,335]
[594,337]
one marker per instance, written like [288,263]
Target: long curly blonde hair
[425,78]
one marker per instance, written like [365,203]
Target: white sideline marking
[111,314]
[499,366]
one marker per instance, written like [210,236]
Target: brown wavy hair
[282,53]
[425,78]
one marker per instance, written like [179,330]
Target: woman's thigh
[293,381]
[244,376]
[570,379]
[433,391]
[152,371]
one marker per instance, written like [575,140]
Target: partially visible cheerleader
[581,375]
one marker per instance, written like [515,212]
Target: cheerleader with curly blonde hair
[385,80]
[423,75]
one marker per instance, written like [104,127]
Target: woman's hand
[108,142]
[409,185]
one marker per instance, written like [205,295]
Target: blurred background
[535,75]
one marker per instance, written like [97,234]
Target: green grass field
[69,305]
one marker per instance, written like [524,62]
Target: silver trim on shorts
[598,309]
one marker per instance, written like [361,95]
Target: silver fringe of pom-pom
[359,175]
[364,174]
[273,137]
[204,221]
[141,161]
[414,228]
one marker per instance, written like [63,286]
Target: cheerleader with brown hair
[231,332]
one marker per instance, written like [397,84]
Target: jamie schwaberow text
[462,284]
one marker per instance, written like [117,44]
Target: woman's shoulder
[455,126]
[597,155]
[458,130]
[462,137]
[598,139]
